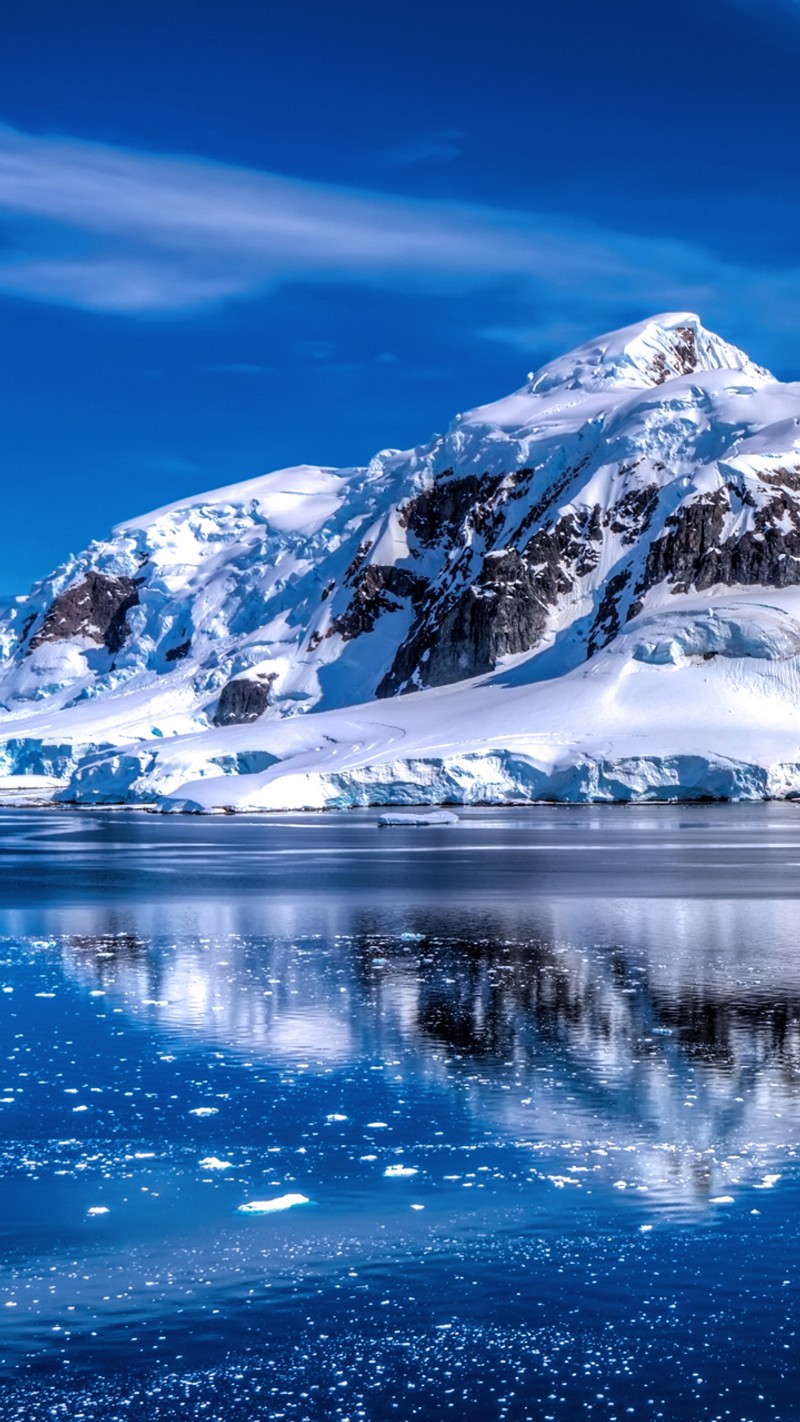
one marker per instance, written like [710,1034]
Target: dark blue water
[535,1076]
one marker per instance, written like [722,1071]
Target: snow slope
[591,587]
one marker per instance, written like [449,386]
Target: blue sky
[240,235]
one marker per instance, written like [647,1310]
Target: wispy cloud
[111,229]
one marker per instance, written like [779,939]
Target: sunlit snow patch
[271,1207]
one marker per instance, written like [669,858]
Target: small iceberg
[213,1162]
[401,818]
[271,1207]
[398,1172]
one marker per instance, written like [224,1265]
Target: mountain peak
[649,353]
[575,580]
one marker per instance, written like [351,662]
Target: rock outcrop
[95,608]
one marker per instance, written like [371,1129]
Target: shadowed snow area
[589,589]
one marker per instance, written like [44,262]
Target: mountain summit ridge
[596,517]
[651,352]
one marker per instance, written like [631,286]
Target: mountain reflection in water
[648,1025]
[536,1076]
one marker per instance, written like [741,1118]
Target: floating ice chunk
[377,1125]
[396,1172]
[335,1116]
[271,1207]
[767,1182]
[417,817]
[97,1210]
[418,1207]
[213,1162]
[411,937]
[204,1111]
[721,1200]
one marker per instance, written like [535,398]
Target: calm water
[537,1077]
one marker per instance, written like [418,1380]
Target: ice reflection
[667,1031]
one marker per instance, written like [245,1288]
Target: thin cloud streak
[114,230]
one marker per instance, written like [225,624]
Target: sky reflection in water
[571,1038]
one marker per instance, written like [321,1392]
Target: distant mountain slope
[599,574]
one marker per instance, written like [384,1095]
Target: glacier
[586,590]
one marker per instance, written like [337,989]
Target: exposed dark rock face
[607,621]
[784,478]
[437,514]
[241,700]
[692,553]
[501,612]
[632,515]
[684,359]
[176,654]
[376,591]
[95,608]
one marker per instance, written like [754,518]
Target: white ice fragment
[271,1207]
[396,1172]
[204,1111]
[97,1210]
[399,818]
[721,1200]
[418,1207]
[213,1162]
[767,1182]
[335,1116]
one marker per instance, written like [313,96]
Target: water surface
[536,1076]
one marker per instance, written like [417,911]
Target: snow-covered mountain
[591,587]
